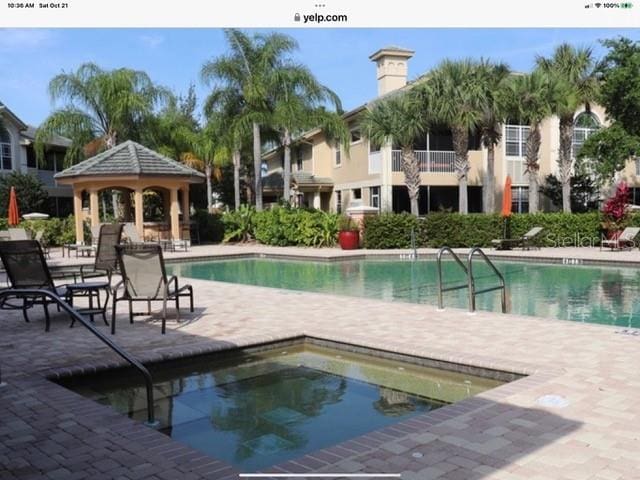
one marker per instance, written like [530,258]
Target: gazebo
[131,167]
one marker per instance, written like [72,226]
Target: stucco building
[371,175]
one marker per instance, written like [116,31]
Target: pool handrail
[441,290]
[151,421]
[472,287]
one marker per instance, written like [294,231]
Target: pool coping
[530,377]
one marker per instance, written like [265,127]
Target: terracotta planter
[349,239]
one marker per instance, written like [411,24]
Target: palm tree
[574,70]
[298,104]
[207,154]
[530,100]
[494,77]
[400,119]
[250,67]
[457,97]
[103,107]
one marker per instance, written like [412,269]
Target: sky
[339,58]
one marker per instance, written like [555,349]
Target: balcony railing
[375,162]
[430,161]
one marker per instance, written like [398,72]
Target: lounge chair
[106,258]
[525,241]
[18,234]
[144,279]
[626,239]
[26,267]
[43,243]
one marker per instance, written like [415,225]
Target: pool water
[604,295]
[255,410]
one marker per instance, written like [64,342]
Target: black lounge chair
[26,267]
[144,279]
[106,257]
[526,241]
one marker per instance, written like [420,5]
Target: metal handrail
[472,287]
[441,290]
[79,318]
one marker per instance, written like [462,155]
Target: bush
[30,192]
[282,226]
[210,226]
[56,231]
[454,230]
[239,224]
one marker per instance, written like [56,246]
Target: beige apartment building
[327,178]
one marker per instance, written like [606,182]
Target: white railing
[430,161]
[375,162]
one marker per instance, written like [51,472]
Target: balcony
[375,163]
[430,161]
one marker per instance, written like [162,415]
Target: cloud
[152,41]
[24,38]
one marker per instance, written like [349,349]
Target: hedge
[435,230]
[210,226]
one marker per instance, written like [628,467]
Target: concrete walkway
[507,433]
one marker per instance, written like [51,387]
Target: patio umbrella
[506,204]
[13,217]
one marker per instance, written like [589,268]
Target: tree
[456,94]
[574,71]
[530,101]
[103,107]
[250,68]
[298,104]
[584,192]
[30,192]
[400,119]
[493,81]
[607,151]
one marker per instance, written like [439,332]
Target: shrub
[390,230]
[560,229]
[30,192]
[239,224]
[456,230]
[282,226]
[210,226]
[56,231]
[615,212]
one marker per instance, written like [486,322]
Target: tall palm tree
[530,100]
[457,98]
[400,119]
[298,104]
[574,70]
[103,107]
[250,67]
[493,81]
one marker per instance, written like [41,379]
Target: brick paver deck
[47,431]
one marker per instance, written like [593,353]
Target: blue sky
[338,57]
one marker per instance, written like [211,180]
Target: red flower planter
[349,239]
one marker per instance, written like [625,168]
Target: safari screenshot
[326,239]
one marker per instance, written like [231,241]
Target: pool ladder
[470,285]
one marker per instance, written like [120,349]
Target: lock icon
[296,17]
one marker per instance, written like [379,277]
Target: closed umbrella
[13,218]
[506,205]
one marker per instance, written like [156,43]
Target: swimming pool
[258,409]
[593,294]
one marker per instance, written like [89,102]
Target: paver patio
[47,431]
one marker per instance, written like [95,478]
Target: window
[6,162]
[338,201]
[520,199]
[515,139]
[356,193]
[299,160]
[356,135]
[585,125]
[31,157]
[373,147]
[338,157]
[374,194]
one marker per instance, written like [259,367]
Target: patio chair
[106,261]
[525,241]
[623,240]
[131,233]
[19,234]
[43,243]
[144,279]
[26,267]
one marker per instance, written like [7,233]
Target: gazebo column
[126,205]
[139,204]
[175,215]
[185,207]
[94,208]
[77,213]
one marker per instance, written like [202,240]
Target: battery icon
[626,5]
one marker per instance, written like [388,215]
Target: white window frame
[338,201]
[8,144]
[337,157]
[586,132]
[374,197]
[521,139]
[353,142]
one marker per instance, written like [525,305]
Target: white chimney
[391,68]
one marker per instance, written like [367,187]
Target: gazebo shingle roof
[129,158]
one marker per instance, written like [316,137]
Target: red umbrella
[506,198]
[13,217]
